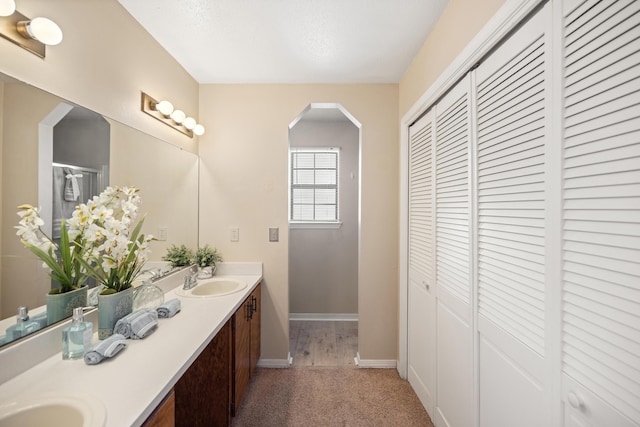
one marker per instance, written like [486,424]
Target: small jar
[147,296]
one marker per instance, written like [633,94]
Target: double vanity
[192,370]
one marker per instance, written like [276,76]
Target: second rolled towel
[138,324]
[105,349]
[169,308]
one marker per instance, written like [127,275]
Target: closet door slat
[511,195]
[452,197]
[601,207]
[420,200]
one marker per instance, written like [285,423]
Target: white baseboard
[276,363]
[349,317]
[375,363]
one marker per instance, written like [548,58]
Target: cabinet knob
[575,401]
[426,285]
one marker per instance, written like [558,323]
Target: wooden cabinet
[203,392]
[165,414]
[210,391]
[246,346]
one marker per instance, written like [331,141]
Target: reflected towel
[169,308]
[71,188]
[138,324]
[105,349]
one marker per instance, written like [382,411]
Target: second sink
[212,288]
[53,410]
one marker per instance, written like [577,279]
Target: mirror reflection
[56,155]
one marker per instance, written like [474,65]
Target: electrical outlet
[235,234]
[273,234]
[162,233]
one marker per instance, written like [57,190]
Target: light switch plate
[162,233]
[235,234]
[273,234]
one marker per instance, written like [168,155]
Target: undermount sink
[53,410]
[215,287]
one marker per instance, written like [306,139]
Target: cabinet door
[241,353]
[454,321]
[255,329]
[165,414]
[421,349]
[513,92]
[601,235]
[202,394]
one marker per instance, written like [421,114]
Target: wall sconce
[30,34]
[177,119]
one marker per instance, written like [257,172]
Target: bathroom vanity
[193,369]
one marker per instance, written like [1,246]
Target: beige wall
[104,61]
[243,182]
[323,263]
[168,181]
[458,24]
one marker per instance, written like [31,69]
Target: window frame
[313,223]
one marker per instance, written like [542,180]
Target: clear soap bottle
[76,338]
[23,326]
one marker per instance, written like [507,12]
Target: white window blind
[511,183]
[601,275]
[314,185]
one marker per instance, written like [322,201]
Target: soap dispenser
[76,337]
[23,326]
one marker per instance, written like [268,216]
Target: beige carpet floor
[344,397]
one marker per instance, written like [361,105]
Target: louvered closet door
[421,300]
[601,275]
[454,365]
[513,86]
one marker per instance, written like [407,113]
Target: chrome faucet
[191,279]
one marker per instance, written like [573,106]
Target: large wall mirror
[98,151]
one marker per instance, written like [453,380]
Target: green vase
[60,306]
[112,308]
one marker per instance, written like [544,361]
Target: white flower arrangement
[63,260]
[104,246]
[116,253]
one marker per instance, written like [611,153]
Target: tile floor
[323,343]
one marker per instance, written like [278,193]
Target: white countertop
[134,382]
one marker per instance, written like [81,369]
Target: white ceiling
[290,41]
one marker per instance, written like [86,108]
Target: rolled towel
[105,349]
[169,308]
[138,324]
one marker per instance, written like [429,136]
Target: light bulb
[198,129]
[44,30]
[165,107]
[7,7]
[189,123]
[178,116]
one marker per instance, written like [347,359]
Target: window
[314,185]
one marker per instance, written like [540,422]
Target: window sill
[333,225]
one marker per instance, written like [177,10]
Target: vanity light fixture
[177,119]
[178,116]
[7,7]
[30,34]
